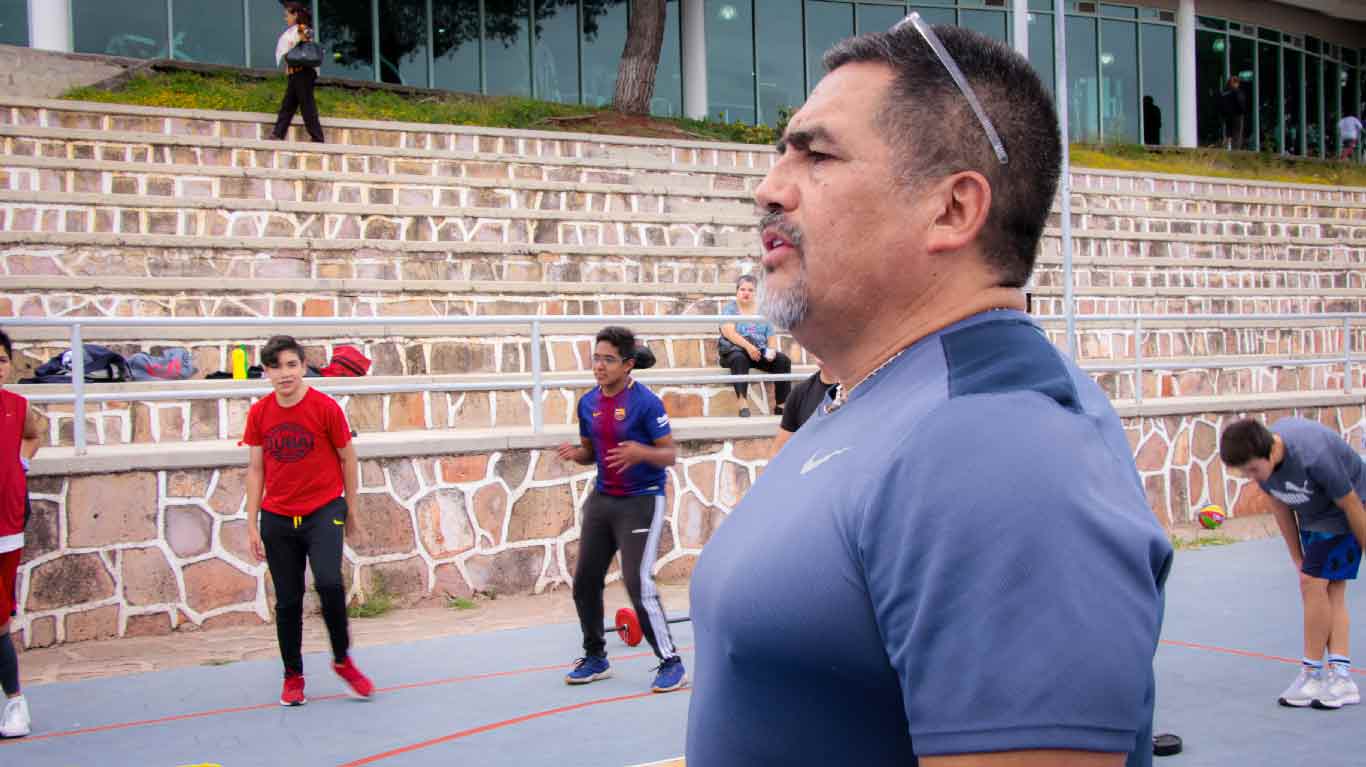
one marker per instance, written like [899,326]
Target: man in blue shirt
[624,429]
[954,561]
[1316,482]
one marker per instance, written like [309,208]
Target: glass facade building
[762,56]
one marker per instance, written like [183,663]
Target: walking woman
[299,90]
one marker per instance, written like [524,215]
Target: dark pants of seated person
[299,98]
[740,363]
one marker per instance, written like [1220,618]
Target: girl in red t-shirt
[302,473]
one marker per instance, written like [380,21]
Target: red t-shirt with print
[300,444]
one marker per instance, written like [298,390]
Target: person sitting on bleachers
[747,344]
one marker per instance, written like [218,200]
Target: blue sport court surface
[1231,644]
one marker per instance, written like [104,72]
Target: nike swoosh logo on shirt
[338,523]
[814,462]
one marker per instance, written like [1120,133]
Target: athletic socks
[9,665]
[1340,665]
[1315,666]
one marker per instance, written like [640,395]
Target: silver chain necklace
[842,395]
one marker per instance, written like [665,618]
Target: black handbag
[305,54]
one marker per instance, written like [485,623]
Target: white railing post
[1347,354]
[78,388]
[1138,360]
[537,385]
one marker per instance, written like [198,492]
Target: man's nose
[776,192]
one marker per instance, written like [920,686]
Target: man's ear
[964,202]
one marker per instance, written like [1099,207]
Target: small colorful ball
[1211,517]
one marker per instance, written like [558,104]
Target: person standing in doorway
[303,474]
[1152,122]
[1233,113]
[299,86]
[624,430]
[1349,132]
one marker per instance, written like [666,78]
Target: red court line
[496,726]
[1243,653]
[270,706]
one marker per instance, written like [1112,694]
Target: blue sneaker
[672,676]
[589,669]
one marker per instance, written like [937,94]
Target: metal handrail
[537,382]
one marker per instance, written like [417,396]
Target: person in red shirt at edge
[302,472]
[19,437]
[624,429]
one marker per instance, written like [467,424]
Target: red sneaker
[293,694]
[361,686]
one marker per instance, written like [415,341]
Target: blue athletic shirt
[1319,467]
[961,559]
[635,414]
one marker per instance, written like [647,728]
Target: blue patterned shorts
[1331,556]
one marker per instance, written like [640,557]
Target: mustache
[774,219]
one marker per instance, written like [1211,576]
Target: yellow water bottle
[239,363]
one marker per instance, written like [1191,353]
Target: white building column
[1187,133]
[49,25]
[1020,9]
[693,17]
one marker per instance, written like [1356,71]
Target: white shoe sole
[1333,705]
[18,734]
[294,705]
[681,684]
[589,679]
[1296,702]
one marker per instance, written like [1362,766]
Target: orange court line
[1243,653]
[270,706]
[497,726]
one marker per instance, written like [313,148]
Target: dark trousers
[291,543]
[740,363]
[631,525]
[1233,131]
[299,97]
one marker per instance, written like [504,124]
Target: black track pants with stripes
[631,525]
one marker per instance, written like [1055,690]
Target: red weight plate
[628,627]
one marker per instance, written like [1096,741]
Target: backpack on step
[174,364]
[102,365]
[347,362]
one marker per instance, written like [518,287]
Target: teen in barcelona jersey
[302,474]
[624,430]
[19,437]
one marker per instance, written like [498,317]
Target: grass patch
[375,602]
[1200,541]
[1217,163]
[243,92]
[460,603]
[249,93]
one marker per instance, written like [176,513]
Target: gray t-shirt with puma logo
[1319,467]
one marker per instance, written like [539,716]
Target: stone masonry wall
[155,551]
[151,551]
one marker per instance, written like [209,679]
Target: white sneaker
[1340,691]
[15,722]
[1307,687]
